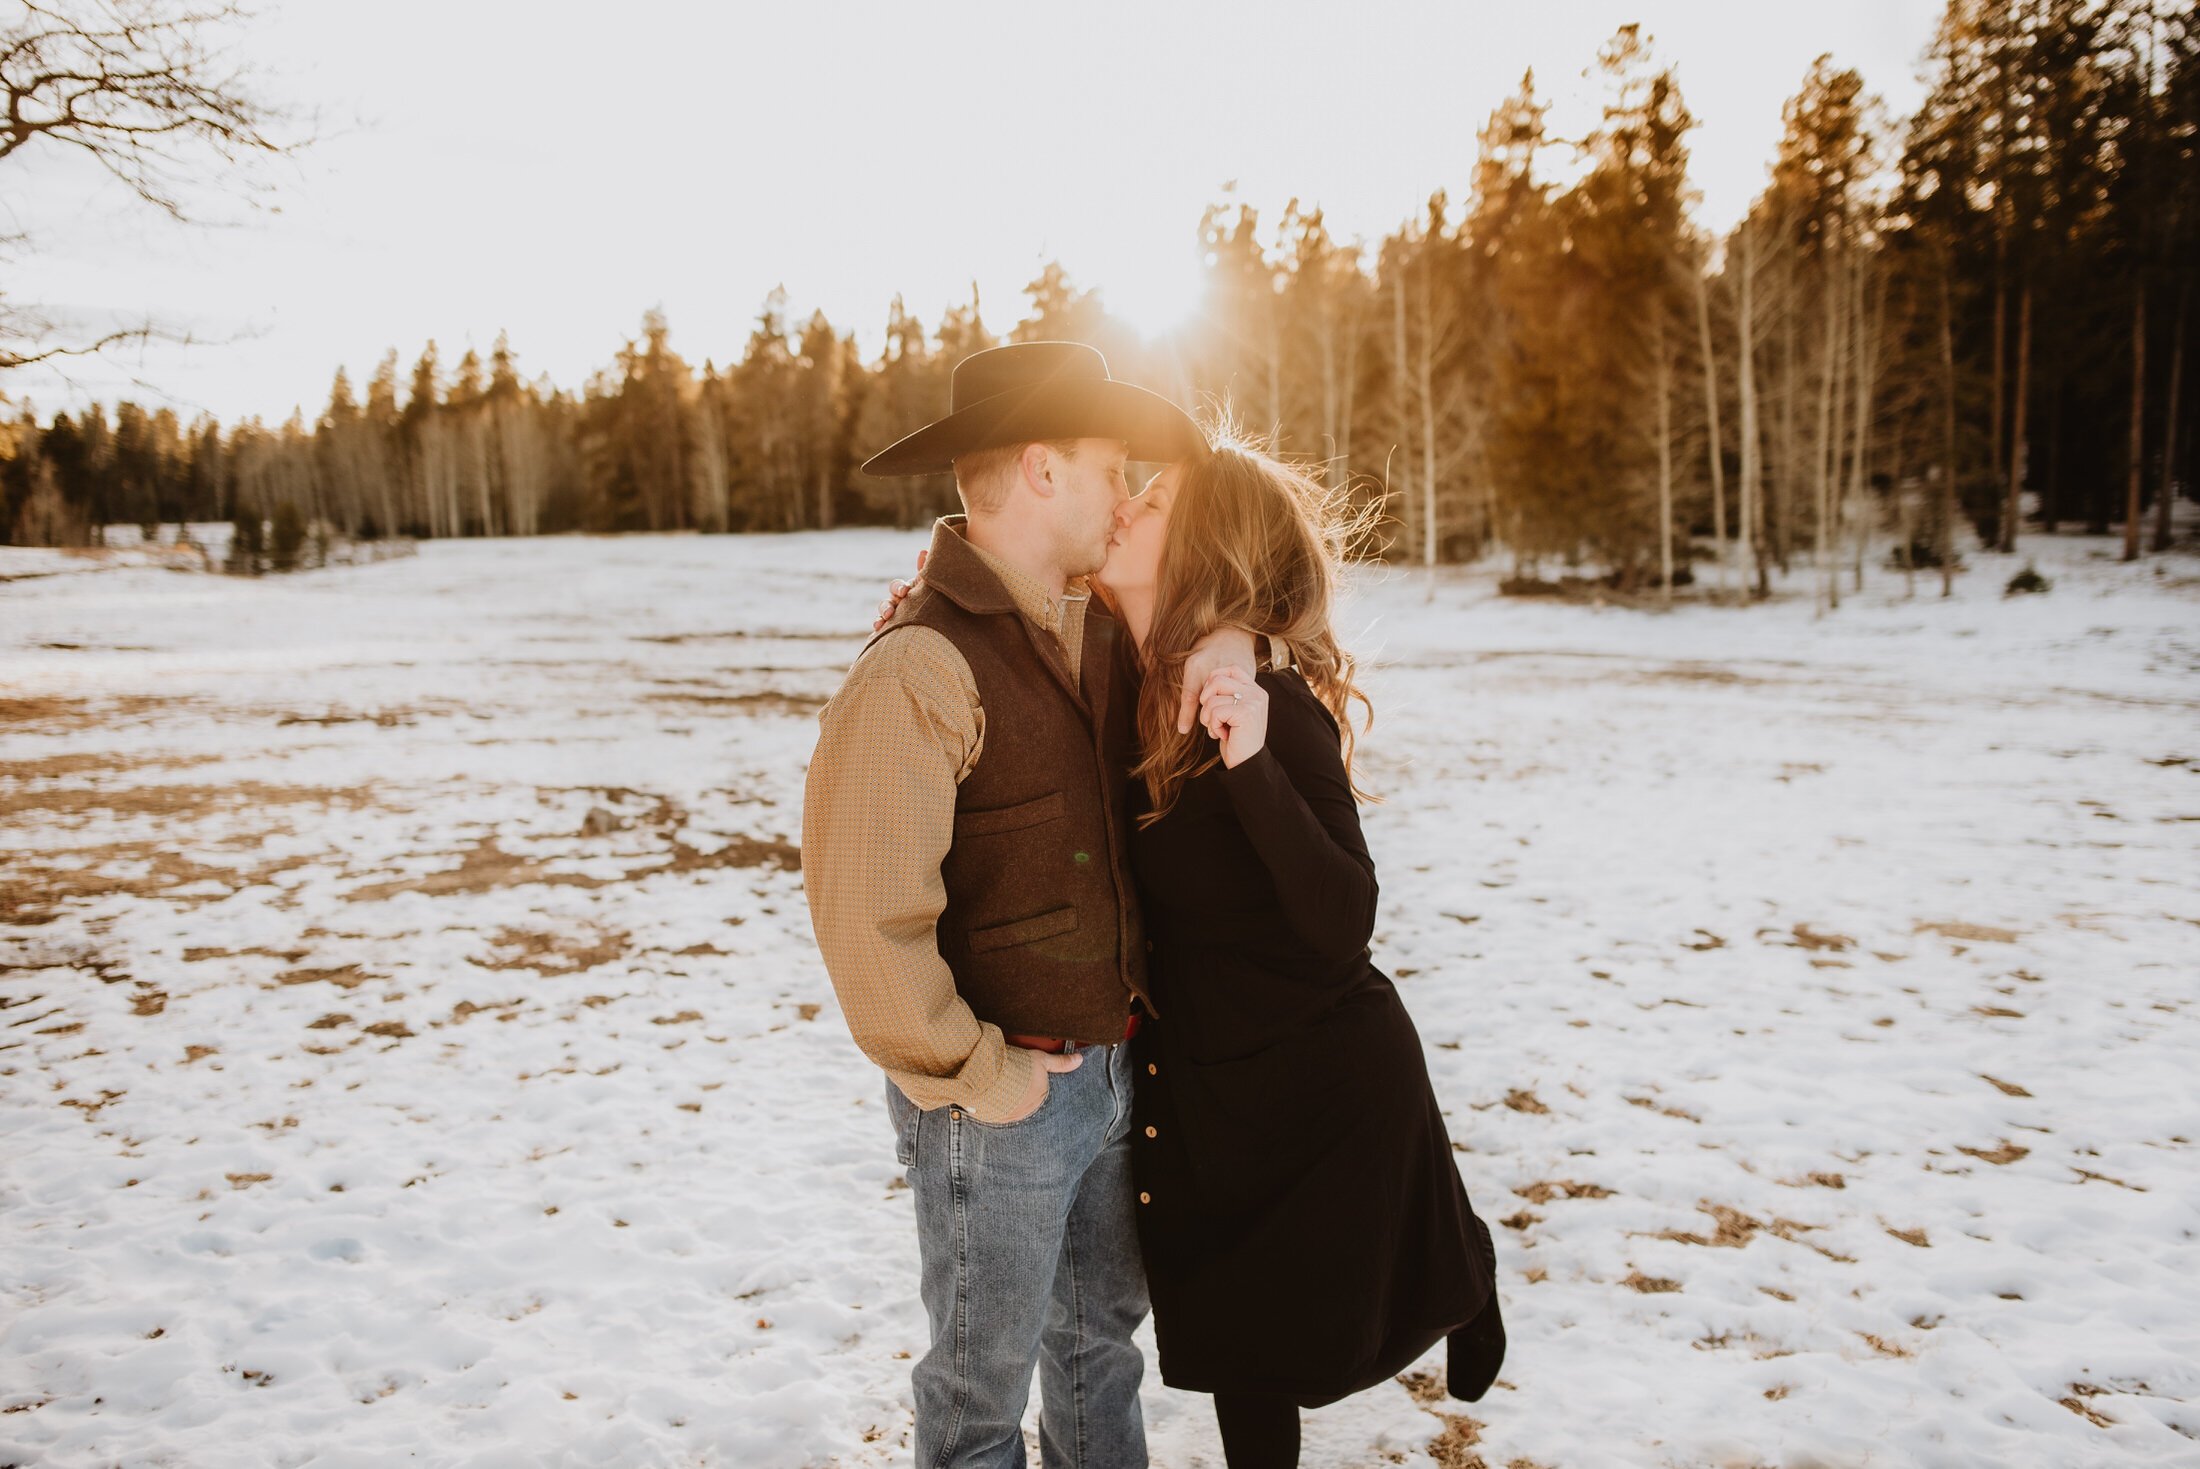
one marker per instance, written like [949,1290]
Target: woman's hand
[1225,647]
[1234,708]
[897,591]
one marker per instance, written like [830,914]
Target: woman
[1305,1230]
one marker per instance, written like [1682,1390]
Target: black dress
[1304,1226]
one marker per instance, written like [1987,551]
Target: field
[414,1050]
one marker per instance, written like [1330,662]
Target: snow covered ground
[414,1050]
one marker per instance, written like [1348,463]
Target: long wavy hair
[1254,541]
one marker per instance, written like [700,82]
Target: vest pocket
[1046,808]
[1023,930]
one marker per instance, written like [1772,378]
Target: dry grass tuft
[1807,937]
[1816,1180]
[1545,1191]
[1650,1285]
[1735,1229]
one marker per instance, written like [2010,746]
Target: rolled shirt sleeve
[878,817]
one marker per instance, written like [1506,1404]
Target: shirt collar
[1030,595]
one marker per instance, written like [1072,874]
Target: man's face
[1089,486]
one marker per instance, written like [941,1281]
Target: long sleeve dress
[1304,1226]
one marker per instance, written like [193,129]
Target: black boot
[1474,1352]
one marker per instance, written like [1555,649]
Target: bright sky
[555,168]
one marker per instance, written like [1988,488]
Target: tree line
[1921,324]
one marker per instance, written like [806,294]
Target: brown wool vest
[1041,928]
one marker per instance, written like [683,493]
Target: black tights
[1260,1430]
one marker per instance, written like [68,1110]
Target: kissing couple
[1082,850]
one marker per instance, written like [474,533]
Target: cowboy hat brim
[1156,430]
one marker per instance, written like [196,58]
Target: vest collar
[972,580]
[954,570]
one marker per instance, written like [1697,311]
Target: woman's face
[1141,525]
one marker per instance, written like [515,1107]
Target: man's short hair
[984,477]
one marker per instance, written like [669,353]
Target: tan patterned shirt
[878,816]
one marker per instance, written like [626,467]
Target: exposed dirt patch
[1975,933]
[551,953]
[768,701]
[2007,1152]
[345,977]
[176,802]
[1651,1104]
[92,1109]
[1526,1101]
[36,892]
[380,719]
[58,714]
[65,767]
[739,851]
[482,868]
[288,956]
[1916,1237]
[2006,1088]
[761,635]
[486,867]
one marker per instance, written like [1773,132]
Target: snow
[1813,999]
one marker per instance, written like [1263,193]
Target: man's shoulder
[908,651]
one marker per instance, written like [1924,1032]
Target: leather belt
[1058,1044]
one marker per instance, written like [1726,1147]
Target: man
[965,858]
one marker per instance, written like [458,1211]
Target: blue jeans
[1029,1245]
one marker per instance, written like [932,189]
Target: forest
[1974,316]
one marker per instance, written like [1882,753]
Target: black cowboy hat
[1029,391]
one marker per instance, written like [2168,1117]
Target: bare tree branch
[149,91]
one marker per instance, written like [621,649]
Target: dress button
[955,1112]
[1149,1132]
[1152,1070]
[1145,1198]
